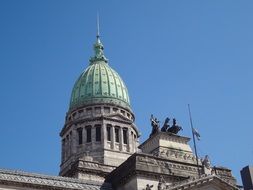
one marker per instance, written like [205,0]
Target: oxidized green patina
[99,83]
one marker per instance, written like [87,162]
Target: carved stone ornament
[161,184]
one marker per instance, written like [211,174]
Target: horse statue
[166,125]
[174,128]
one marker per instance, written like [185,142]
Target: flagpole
[194,142]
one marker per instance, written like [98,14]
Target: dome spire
[98,35]
[98,47]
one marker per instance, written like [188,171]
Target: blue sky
[169,53]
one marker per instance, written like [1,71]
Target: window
[88,133]
[125,136]
[107,109]
[122,112]
[115,109]
[88,111]
[108,130]
[98,110]
[117,134]
[80,135]
[98,132]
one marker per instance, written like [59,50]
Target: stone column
[104,135]
[133,142]
[129,141]
[121,139]
[74,141]
[113,137]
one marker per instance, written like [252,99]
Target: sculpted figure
[161,184]
[174,121]
[207,169]
[154,124]
[206,162]
[149,187]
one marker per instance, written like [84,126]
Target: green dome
[99,83]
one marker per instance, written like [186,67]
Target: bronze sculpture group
[174,129]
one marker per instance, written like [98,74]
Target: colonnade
[91,137]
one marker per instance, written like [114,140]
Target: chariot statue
[174,128]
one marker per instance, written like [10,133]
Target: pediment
[205,183]
[118,117]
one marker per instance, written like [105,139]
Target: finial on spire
[98,32]
[98,47]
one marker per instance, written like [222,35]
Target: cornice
[25,179]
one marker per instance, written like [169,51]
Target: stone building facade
[100,147]
[166,161]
